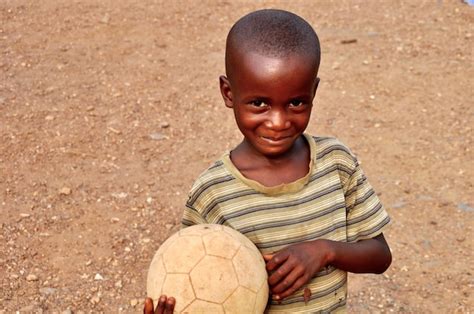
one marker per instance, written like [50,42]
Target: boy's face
[271,98]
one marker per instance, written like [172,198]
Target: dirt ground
[110,109]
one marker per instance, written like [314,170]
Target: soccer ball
[209,269]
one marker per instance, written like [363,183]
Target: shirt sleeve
[366,217]
[191,216]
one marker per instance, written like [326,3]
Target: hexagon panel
[179,286]
[242,299]
[156,278]
[200,306]
[214,279]
[220,244]
[251,274]
[184,254]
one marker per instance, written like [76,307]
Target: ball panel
[214,279]
[247,262]
[199,230]
[240,237]
[241,301]
[262,298]
[220,244]
[156,277]
[200,306]
[184,254]
[179,286]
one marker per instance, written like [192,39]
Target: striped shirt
[333,201]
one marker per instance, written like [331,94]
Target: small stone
[105,19]
[465,207]
[133,302]
[22,215]
[98,277]
[31,277]
[164,125]
[89,262]
[149,200]
[120,195]
[169,226]
[95,299]
[49,118]
[47,290]
[67,311]
[118,284]
[158,136]
[115,219]
[65,191]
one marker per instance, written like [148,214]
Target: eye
[258,103]
[296,103]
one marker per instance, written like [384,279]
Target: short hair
[273,33]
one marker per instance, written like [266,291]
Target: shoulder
[210,181]
[331,147]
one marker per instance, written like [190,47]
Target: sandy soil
[110,109]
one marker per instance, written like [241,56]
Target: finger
[297,285]
[276,260]
[288,280]
[268,257]
[160,309]
[170,303]
[148,308]
[280,273]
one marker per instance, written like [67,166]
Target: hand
[165,305]
[294,266]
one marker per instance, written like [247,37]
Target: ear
[226,91]
[315,87]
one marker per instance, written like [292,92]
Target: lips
[275,139]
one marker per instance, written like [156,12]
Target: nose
[278,120]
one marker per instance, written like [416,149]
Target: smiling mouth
[275,139]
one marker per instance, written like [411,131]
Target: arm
[295,265]
[366,256]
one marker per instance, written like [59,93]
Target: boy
[304,201]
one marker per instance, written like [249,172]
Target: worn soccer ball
[209,269]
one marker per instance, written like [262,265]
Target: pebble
[169,226]
[47,290]
[31,277]
[105,19]
[164,125]
[465,207]
[67,311]
[120,195]
[118,284]
[133,302]
[65,191]
[95,299]
[157,136]
[98,277]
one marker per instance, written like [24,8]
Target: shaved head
[272,33]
